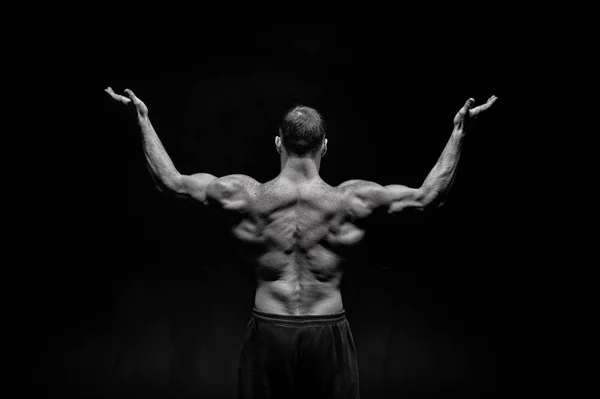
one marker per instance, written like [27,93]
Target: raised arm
[161,167]
[439,180]
[437,183]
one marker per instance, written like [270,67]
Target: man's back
[297,233]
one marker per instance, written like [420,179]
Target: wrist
[458,133]
[142,119]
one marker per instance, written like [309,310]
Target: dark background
[149,298]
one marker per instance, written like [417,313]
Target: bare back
[298,232]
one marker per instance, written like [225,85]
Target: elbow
[161,187]
[157,183]
[171,184]
[435,204]
[429,198]
[423,197]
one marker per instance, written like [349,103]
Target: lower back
[296,298]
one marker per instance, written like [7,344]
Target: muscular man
[298,342]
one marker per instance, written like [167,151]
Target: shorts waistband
[300,320]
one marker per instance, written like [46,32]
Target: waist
[281,299]
[299,320]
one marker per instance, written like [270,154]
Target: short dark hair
[302,130]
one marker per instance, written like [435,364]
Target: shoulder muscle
[364,196]
[232,192]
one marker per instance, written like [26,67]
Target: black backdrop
[149,297]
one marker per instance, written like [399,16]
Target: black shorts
[298,357]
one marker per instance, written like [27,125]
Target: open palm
[466,115]
[133,104]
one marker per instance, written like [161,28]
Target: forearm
[439,181]
[160,165]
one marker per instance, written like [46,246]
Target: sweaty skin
[297,227]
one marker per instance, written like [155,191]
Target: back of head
[302,131]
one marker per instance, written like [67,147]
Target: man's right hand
[134,105]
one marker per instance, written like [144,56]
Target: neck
[299,169]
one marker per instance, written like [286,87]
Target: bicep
[370,196]
[399,198]
[195,186]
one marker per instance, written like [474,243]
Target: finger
[110,92]
[475,111]
[467,106]
[130,94]
[117,97]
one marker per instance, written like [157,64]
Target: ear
[324,148]
[278,144]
